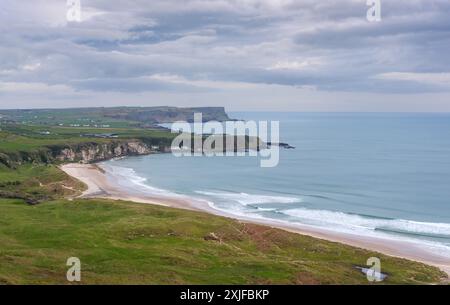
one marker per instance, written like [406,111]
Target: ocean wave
[245,205]
[334,219]
[128,177]
[357,222]
[249,199]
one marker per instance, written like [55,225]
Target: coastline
[101,184]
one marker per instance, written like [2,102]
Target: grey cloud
[123,42]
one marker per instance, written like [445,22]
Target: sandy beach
[101,184]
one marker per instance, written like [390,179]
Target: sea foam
[248,199]
[129,178]
[245,205]
[355,222]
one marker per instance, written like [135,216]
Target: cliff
[82,152]
[93,152]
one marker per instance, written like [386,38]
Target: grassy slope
[36,182]
[65,116]
[120,242]
[122,117]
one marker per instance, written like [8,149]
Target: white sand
[101,185]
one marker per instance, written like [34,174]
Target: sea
[383,175]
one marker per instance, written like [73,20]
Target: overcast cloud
[303,55]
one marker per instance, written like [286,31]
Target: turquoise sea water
[384,175]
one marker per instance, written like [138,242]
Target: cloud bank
[243,54]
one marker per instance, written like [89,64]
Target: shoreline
[103,185]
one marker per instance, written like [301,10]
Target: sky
[257,55]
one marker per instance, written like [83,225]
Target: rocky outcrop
[212,236]
[66,154]
[87,152]
[93,152]
[281,145]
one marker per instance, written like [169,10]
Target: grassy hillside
[36,183]
[118,117]
[121,242]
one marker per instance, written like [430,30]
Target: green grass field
[116,117]
[37,182]
[130,243]
[51,117]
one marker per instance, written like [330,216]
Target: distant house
[46,133]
